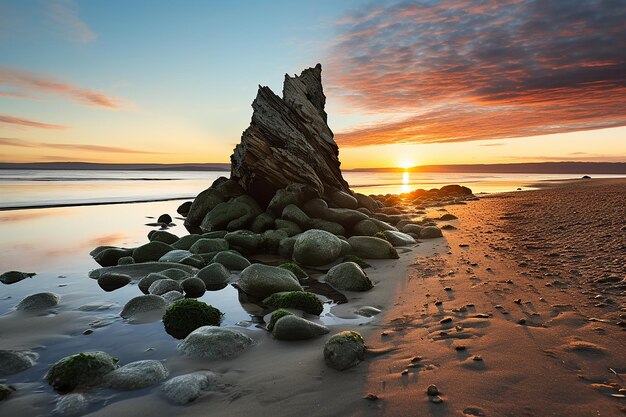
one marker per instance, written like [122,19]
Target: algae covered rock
[276,315]
[369,247]
[295,269]
[38,301]
[261,281]
[136,375]
[316,247]
[11,277]
[344,350]
[292,327]
[142,304]
[360,262]
[348,276]
[186,388]
[212,342]
[301,300]
[185,316]
[14,361]
[80,370]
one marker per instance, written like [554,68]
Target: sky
[407,83]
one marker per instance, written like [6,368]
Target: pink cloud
[11,120]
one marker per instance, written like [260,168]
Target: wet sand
[513,256]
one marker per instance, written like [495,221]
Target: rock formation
[288,141]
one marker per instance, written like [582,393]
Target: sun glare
[405,164]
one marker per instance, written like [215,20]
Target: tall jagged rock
[288,141]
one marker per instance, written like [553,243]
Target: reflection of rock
[288,141]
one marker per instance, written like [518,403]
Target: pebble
[416,359]
[404,372]
[88,331]
[521,321]
[371,397]
[460,347]
[447,289]
[518,301]
[438,303]
[432,390]
[436,400]
[477,358]
[445,320]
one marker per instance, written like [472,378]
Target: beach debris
[212,342]
[186,388]
[38,301]
[80,370]
[186,315]
[344,350]
[112,281]
[11,277]
[142,304]
[14,361]
[136,375]
[348,276]
[291,327]
[261,281]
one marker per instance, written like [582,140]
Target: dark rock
[214,276]
[38,301]
[185,316]
[369,247]
[366,202]
[348,276]
[344,350]
[164,218]
[142,304]
[301,300]
[288,141]
[262,222]
[80,370]
[261,281]
[193,287]
[344,200]
[110,256]
[231,261]
[203,203]
[14,361]
[288,227]
[184,208]
[291,327]
[294,214]
[162,236]
[151,251]
[316,248]
[186,242]
[209,245]
[296,194]
[11,277]
[112,281]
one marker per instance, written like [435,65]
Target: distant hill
[88,166]
[521,168]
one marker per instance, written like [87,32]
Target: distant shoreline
[94,203]
[565,167]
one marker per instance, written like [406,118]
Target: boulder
[412,228]
[185,316]
[193,287]
[172,296]
[345,217]
[38,301]
[344,350]
[209,245]
[296,328]
[111,256]
[175,274]
[344,200]
[215,343]
[272,239]
[151,251]
[245,240]
[186,242]
[301,300]
[372,248]
[288,227]
[398,238]
[202,204]
[112,281]
[294,214]
[80,370]
[215,276]
[175,255]
[261,281]
[365,228]
[296,194]
[330,227]
[186,388]
[145,282]
[348,276]
[288,141]
[285,247]
[366,202]
[11,277]
[184,208]
[136,375]
[430,232]
[163,236]
[162,286]
[262,222]
[228,187]
[316,247]
[14,361]
[231,261]
[126,260]
[316,208]
[142,304]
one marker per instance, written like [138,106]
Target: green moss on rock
[80,370]
[295,268]
[357,260]
[305,301]
[185,316]
[278,314]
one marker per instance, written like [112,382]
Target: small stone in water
[88,331]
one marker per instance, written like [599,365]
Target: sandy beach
[518,311]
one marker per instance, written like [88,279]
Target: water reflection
[406,187]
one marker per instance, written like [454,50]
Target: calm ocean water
[31,188]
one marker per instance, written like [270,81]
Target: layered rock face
[288,141]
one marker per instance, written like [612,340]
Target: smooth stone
[138,271]
[430,232]
[398,238]
[412,228]
[202,204]
[38,301]
[80,370]
[328,226]
[14,361]
[272,239]
[285,247]
[151,251]
[112,281]
[366,202]
[261,281]
[164,218]
[289,227]
[172,296]
[162,286]
[296,328]
[175,274]
[110,256]
[211,342]
[293,213]
[193,287]
[316,248]
[368,311]
[186,242]
[145,282]
[214,276]
[71,405]
[345,217]
[344,200]
[245,240]
[11,277]
[315,207]
[184,208]
[344,350]
[142,304]
[126,260]
[175,256]
[186,388]
[365,228]
[231,261]
[369,247]
[294,193]
[163,236]
[262,222]
[137,375]
[209,245]
[348,276]
[230,215]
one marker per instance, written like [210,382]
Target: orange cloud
[26,82]
[28,123]
[460,70]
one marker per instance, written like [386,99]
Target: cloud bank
[19,122]
[461,70]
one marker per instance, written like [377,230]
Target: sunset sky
[407,83]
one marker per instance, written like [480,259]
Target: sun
[406,164]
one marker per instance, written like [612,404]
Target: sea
[56,188]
